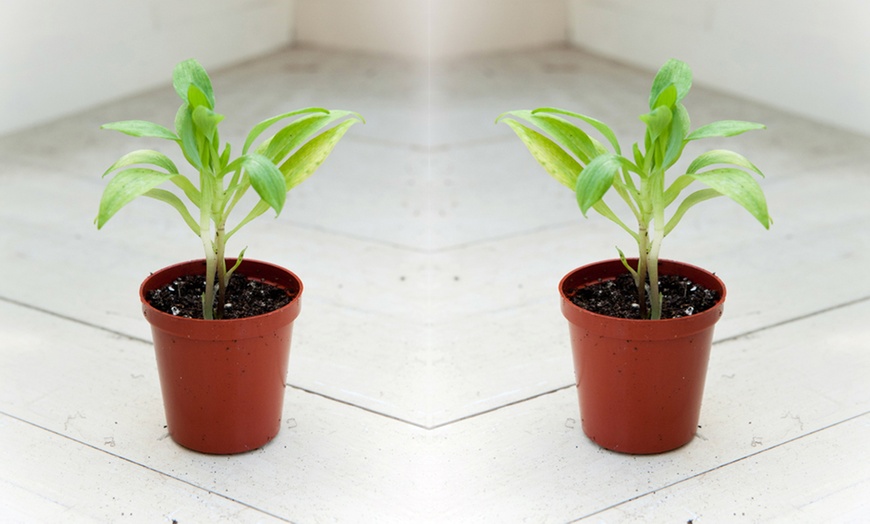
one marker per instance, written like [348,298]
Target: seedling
[587,167]
[272,168]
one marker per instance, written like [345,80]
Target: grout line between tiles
[72,319]
[721,466]
[734,337]
[465,417]
[497,408]
[146,467]
[787,321]
[500,238]
[363,408]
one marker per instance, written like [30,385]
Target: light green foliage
[272,168]
[586,166]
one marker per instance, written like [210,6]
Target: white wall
[804,56]
[430,28]
[61,56]
[380,26]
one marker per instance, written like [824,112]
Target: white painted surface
[60,57]
[803,56]
[430,28]
[430,340]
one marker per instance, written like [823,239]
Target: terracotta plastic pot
[640,382]
[223,380]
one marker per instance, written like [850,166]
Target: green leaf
[188,188]
[225,156]
[627,266]
[296,133]
[571,137]
[721,156]
[187,135]
[638,156]
[305,161]
[196,98]
[141,128]
[677,136]
[673,73]
[258,129]
[601,127]
[723,128]
[596,179]
[657,122]
[125,187]
[144,156]
[740,186]
[667,98]
[691,200]
[238,263]
[677,187]
[206,122]
[170,198]
[302,164]
[188,73]
[559,164]
[266,179]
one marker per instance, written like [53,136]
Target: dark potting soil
[618,298]
[245,297]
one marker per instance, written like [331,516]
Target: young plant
[272,168]
[588,168]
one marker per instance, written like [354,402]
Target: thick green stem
[655,297]
[658,203]
[640,277]
[207,183]
[220,247]
[210,270]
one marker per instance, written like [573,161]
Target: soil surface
[245,297]
[618,298]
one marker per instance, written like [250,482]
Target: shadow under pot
[639,382]
[223,380]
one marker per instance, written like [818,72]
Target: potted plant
[641,328]
[221,326]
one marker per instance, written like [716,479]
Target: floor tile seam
[85,323]
[722,466]
[350,404]
[792,320]
[149,343]
[144,466]
[426,427]
[500,238]
[74,320]
[408,248]
[715,343]
[471,416]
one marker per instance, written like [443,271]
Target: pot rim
[192,327]
[653,329]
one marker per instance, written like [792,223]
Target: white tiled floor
[430,375]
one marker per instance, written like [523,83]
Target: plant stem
[640,278]
[210,249]
[655,297]
[220,244]
[658,204]
[210,269]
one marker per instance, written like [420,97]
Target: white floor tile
[47,477]
[430,371]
